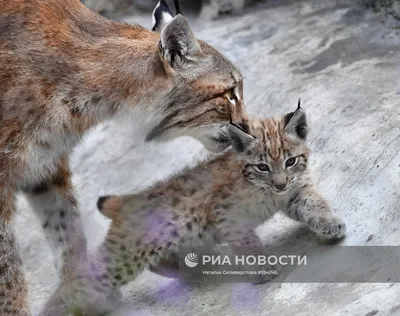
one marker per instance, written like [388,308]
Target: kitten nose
[279,186]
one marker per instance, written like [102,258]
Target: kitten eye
[291,162]
[262,167]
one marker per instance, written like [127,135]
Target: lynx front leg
[309,207]
[54,203]
[119,260]
[13,287]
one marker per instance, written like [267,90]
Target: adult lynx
[63,69]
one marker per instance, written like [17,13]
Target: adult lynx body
[63,69]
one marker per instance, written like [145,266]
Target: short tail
[109,206]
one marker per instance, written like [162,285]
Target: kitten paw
[263,274]
[333,228]
[264,278]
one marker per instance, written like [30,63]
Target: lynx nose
[279,186]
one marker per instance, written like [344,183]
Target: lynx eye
[232,95]
[262,167]
[291,162]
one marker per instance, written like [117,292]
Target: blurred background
[216,8]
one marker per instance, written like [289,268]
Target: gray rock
[388,9]
[216,8]
[111,8]
[192,6]
[378,4]
[124,7]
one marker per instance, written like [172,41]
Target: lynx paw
[264,278]
[81,298]
[332,228]
[264,273]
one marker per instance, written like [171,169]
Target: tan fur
[63,69]
[112,206]
[222,200]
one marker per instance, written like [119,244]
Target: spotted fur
[63,69]
[221,200]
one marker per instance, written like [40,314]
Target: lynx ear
[161,16]
[296,123]
[239,137]
[178,42]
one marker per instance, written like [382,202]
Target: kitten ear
[239,137]
[161,16]
[296,123]
[178,42]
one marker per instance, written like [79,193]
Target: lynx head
[207,89]
[274,151]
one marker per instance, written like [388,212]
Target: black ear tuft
[296,123]
[239,138]
[101,201]
[161,16]
[177,7]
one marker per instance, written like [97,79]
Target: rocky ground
[344,63]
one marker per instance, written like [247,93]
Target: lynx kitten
[222,200]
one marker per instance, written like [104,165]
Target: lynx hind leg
[168,266]
[140,236]
[54,203]
[310,208]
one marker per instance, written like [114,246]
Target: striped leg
[54,203]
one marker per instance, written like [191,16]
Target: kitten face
[274,151]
